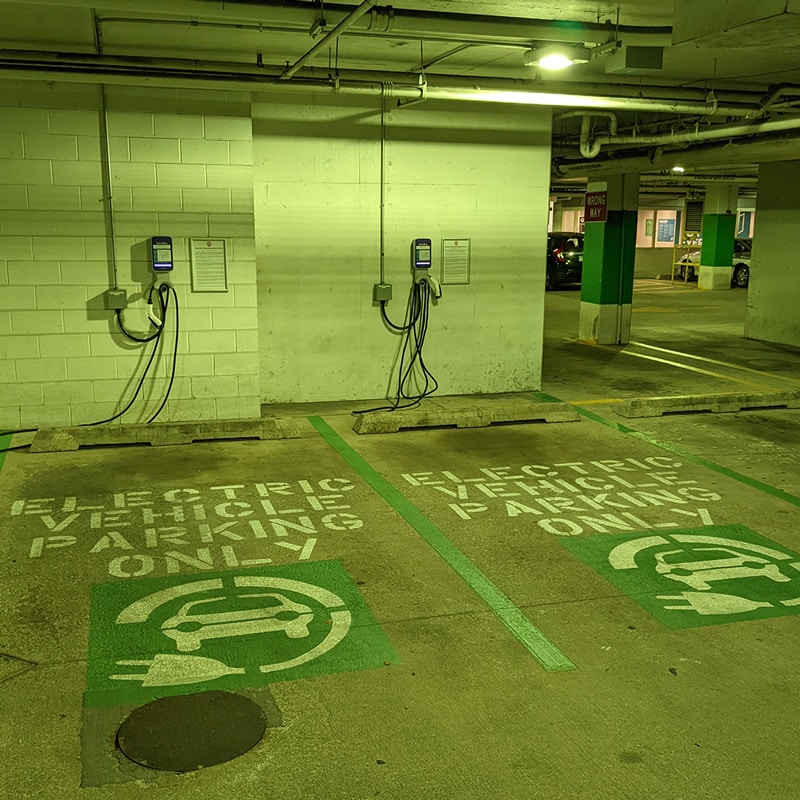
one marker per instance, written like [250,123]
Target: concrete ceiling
[711,70]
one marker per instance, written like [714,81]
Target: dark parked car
[689,265]
[564,259]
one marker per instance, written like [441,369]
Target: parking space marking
[779,494]
[762,387]
[744,381]
[531,638]
[728,364]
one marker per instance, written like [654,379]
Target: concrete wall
[774,289]
[181,166]
[451,172]
[652,261]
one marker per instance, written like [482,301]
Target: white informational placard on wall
[209,266]
[455,260]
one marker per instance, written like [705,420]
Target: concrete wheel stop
[168,433]
[473,417]
[714,403]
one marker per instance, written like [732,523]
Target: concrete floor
[495,642]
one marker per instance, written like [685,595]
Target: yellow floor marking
[595,402]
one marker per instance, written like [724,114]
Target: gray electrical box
[116,299]
[382,292]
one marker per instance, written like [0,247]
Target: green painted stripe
[703,462]
[5,441]
[534,641]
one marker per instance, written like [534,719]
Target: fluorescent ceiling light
[555,56]
[678,169]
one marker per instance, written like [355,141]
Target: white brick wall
[181,166]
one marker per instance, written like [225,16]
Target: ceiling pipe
[591,150]
[586,117]
[187,73]
[586,149]
[728,154]
[328,38]
[680,180]
[430,25]
[771,98]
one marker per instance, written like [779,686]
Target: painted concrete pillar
[773,296]
[609,251]
[719,230]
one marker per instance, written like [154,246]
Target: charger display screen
[422,253]
[162,253]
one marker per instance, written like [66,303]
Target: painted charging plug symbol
[707,603]
[165,669]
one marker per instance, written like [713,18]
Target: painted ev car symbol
[190,626]
[700,574]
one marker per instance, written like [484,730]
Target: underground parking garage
[309,489]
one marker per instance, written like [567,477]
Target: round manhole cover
[191,731]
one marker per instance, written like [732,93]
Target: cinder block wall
[181,166]
[452,172]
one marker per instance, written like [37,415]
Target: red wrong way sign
[596,206]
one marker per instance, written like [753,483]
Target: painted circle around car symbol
[206,618]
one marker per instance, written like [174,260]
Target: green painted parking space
[698,576]
[155,637]
[528,635]
[5,442]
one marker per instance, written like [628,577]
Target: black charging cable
[163,297]
[158,326]
[413,332]
[174,351]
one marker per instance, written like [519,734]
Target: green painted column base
[714,277]
[605,324]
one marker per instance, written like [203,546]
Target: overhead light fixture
[679,169]
[555,56]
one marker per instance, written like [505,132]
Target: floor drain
[184,733]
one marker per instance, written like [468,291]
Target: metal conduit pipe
[187,73]
[328,38]
[591,150]
[422,24]
[771,98]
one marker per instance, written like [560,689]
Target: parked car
[741,262]
[564,259]
[689,264]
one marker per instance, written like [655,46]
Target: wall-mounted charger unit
[162,253]
[421,254]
